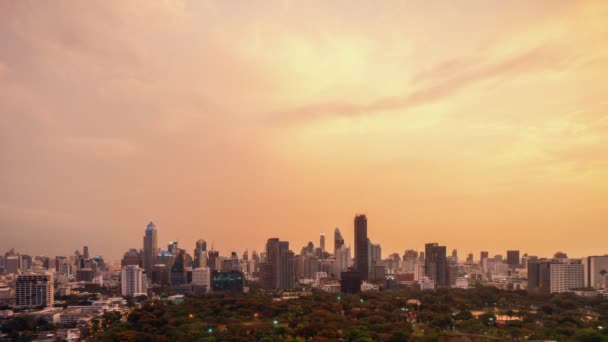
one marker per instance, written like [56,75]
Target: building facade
[361,246]
[132,280]
[150,247]
[34,290]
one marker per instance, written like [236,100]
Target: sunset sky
[477,124]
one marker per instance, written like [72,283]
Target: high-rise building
[375,254]
[34,290]
[235,265]
[361,248]
[435,264]
[160,274]
[555,276]
[200,253]
[202,277]
[338,239]
[150,247]
[286,275]
[566,276]
[483,255]
[232,281]
[85,252]
[132,280]
[178,270]
[596,271]
[513,258]
[410,262]
[322,242]
[278,271]
[11,264]
[455,255]
[342,255]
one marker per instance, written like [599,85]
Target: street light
[210,330]
[275,322]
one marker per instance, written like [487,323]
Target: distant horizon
[329,242]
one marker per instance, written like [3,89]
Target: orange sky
[479,125]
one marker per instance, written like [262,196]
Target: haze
[478,124]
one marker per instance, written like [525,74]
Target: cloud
[441,81]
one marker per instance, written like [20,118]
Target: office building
[513,259]
[201,277]
[85,275]
[596,271]
[435,264]
[286,274]
[132,280]
[11,264]
[342,256]
[555,276]
[322,242]
[150,247]
[375,254]
[232,281]
[361,246]
[278,271]
[34,290]
[178,275]
[483,255]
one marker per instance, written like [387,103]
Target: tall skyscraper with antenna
[150,247]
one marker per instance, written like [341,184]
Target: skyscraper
[342,255]
[322,242]
[375,254]
[150,247]
[338,239]
[132,280]
[278,270]
[85,252]
[513,258]
[361,248]
[286,274]
[435,264]
[178,270]
[483,255]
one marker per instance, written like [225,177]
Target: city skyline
[480,126]
[161,246]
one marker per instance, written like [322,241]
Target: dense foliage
[483,313]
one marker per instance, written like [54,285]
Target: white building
[202,277]
[132,280]
[34,290]
[596,271]
[566,276]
